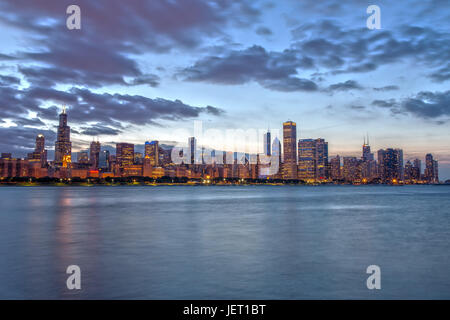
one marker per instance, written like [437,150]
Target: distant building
[124,156]
[313,159]
[390,162]
[83,157]
[431,169]
[39,154]
[94,156]
[267,144]
[192,148]
[289,169]
[63,146]
[351,169]
[152,152]
[335,168]
[103,162]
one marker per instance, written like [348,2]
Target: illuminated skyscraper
[307,159]
[94,154]
[39,154]
[289,150]
[124,155]
[390,163]
[335,165]
[431,169]
[152,152]
[63,146]
[368,165]
[312,159]
[103,162]
[351,170]
[83,157]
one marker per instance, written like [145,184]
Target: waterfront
[225,242]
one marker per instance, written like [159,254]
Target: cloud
[345,86]
[272,70]
[87,107]
[263,31]
[387,88]
[99,130]
[425,105]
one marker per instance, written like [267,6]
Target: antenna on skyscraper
[64,108]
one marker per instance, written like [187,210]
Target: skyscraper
[312,159]
[321,159]
[368,165]
[94,154]
[307,159]
[335,165]
[267,144]
[124,155]
[152,152]
[390,163]
[63,146]
[289,150]
[39,154]
[103,162]
[192,145]
[431,169]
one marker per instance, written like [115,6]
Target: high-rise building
[152,152]
[267,144]
[335,168]
[39,154]
[390,163]
[124,155]
[431,169]
[289,150]
[367,155]
[368,164]
[192,146]
[312,159]
[321,159]
[94,156]
[83,157]
[307,159]
[103,162]
[63,146]
[351,169]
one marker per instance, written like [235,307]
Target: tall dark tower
[63,146]
[94,156]
[290,150]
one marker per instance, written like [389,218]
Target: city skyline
[246,64]
[304,160]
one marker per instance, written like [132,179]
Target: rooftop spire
[64,109]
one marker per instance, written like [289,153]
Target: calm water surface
[230,242]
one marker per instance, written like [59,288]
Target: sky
[149,70]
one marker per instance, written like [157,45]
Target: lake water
[225,242]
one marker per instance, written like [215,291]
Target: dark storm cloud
[276,71]
[425,104]
[345,86]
